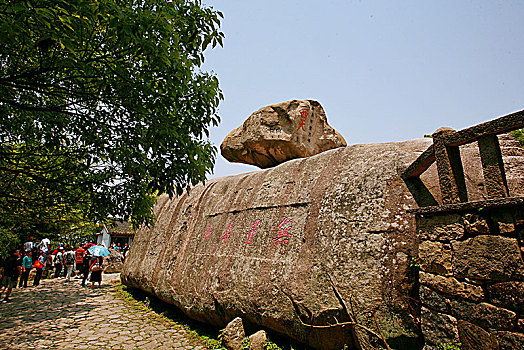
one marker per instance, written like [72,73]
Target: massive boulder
[318,248]
[113,262]
[278,133]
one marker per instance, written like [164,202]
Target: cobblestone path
[60,315]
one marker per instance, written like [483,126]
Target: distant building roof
[120,228]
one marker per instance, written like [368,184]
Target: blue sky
[382,70]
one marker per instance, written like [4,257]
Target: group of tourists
[64,262]
[68,262]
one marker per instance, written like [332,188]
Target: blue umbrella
[98,250]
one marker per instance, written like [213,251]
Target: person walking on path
[125,250]
[85,267]
[96,271]
[79,261]
[44,245]
[48,265]
[59,259]
[29,245]
[69,261]
[27,263]
[39,266]
[11,271]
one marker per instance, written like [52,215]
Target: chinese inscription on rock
[283,233]
[303,116]
[251,233]
[226,235]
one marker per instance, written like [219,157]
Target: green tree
[32,201]
[103,103]
[518,135]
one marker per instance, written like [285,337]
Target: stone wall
[472,275]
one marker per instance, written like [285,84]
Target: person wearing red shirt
[79,261]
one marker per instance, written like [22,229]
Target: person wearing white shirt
[44,245]
[29,245]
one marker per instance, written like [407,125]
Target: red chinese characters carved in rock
[251,233]
[208,233]
[303,116]
[226,235]
[283,232]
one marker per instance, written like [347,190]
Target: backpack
[69,259]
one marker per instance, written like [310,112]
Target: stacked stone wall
[472,276]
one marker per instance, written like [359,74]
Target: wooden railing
[445,151]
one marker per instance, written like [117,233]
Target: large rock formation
[277,133]
[113,262]
[307,249]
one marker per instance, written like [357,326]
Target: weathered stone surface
[278,133]
[113,262]
[484,315]
[493,166]
[473,337]
[454,183]
[510,341]
[351,239]
[435,257]
[349,232]
[514,167]
[442,228]
[257,340]
[475,225]
[509,295]
[452,286]
[438,328]
[233,335]
[505,220]
[433,300]
[512,154]
[488,257]
[451,173]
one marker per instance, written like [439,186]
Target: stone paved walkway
[59,315]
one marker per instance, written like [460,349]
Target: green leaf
[102,106]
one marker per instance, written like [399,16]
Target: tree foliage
[103,104]
[518,135]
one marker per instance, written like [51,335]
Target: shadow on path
[48,310]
